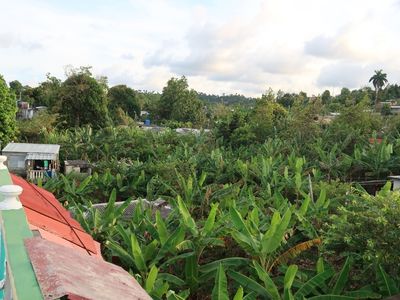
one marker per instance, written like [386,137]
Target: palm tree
[378,80]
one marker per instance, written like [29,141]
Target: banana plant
[220,290]
[260,240]
[162,247]
[101,225]
[192,189]
[311,213]
[149,256]
[387,285]
[268,289]
[264,172]
[200,238]
[329,161]
[325,285]
[376,159]
[152,242]
[68,190]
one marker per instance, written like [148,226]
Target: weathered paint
[62,272]
[15,229]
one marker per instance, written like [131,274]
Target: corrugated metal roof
[41,156]
[32,148]
[62,272]
[43,210]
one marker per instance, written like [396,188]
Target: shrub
[368,228]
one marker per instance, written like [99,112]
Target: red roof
[54,222]
[61,272]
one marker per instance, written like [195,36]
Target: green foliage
[375,159]
[261,203]
[48,92]
[324,285]
[220,290]
[367,228]
[386,110]
[230,100]
[7,114]
[266,191]
[265,118]
[83,101]
[301,124]
[16,87]
[40,125]
[100,224]
[123,98]
[387,285]
[179,103]
[255,242]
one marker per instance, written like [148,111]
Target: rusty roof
[61,272]
[44,211]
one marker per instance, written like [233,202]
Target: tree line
[83,99]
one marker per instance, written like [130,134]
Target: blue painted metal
[2,264]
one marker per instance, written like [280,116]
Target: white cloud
[224,46]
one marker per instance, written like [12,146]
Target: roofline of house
[21,280]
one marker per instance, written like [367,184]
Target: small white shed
[32,160]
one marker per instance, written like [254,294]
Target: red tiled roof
[45,212]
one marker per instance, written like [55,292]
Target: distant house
[32,160]
[26,112]
[77,166]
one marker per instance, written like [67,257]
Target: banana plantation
[281,217]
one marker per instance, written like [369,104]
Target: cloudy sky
[221,46]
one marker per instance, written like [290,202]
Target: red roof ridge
[44,211]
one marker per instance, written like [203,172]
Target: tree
[378,80]
[121,96]
[386,111]
[301,124]
[391,92]
[8,110]
[30,94]
[83,101]
[265,118]
[150,101]
[39,126]
[16,87]
[326,97]
[48,93]
[180,103]
[269,95]
[344,96]
[286,100]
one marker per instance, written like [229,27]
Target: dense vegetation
[267,205]
[241,209]
[7,113]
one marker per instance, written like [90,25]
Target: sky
[221,46]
